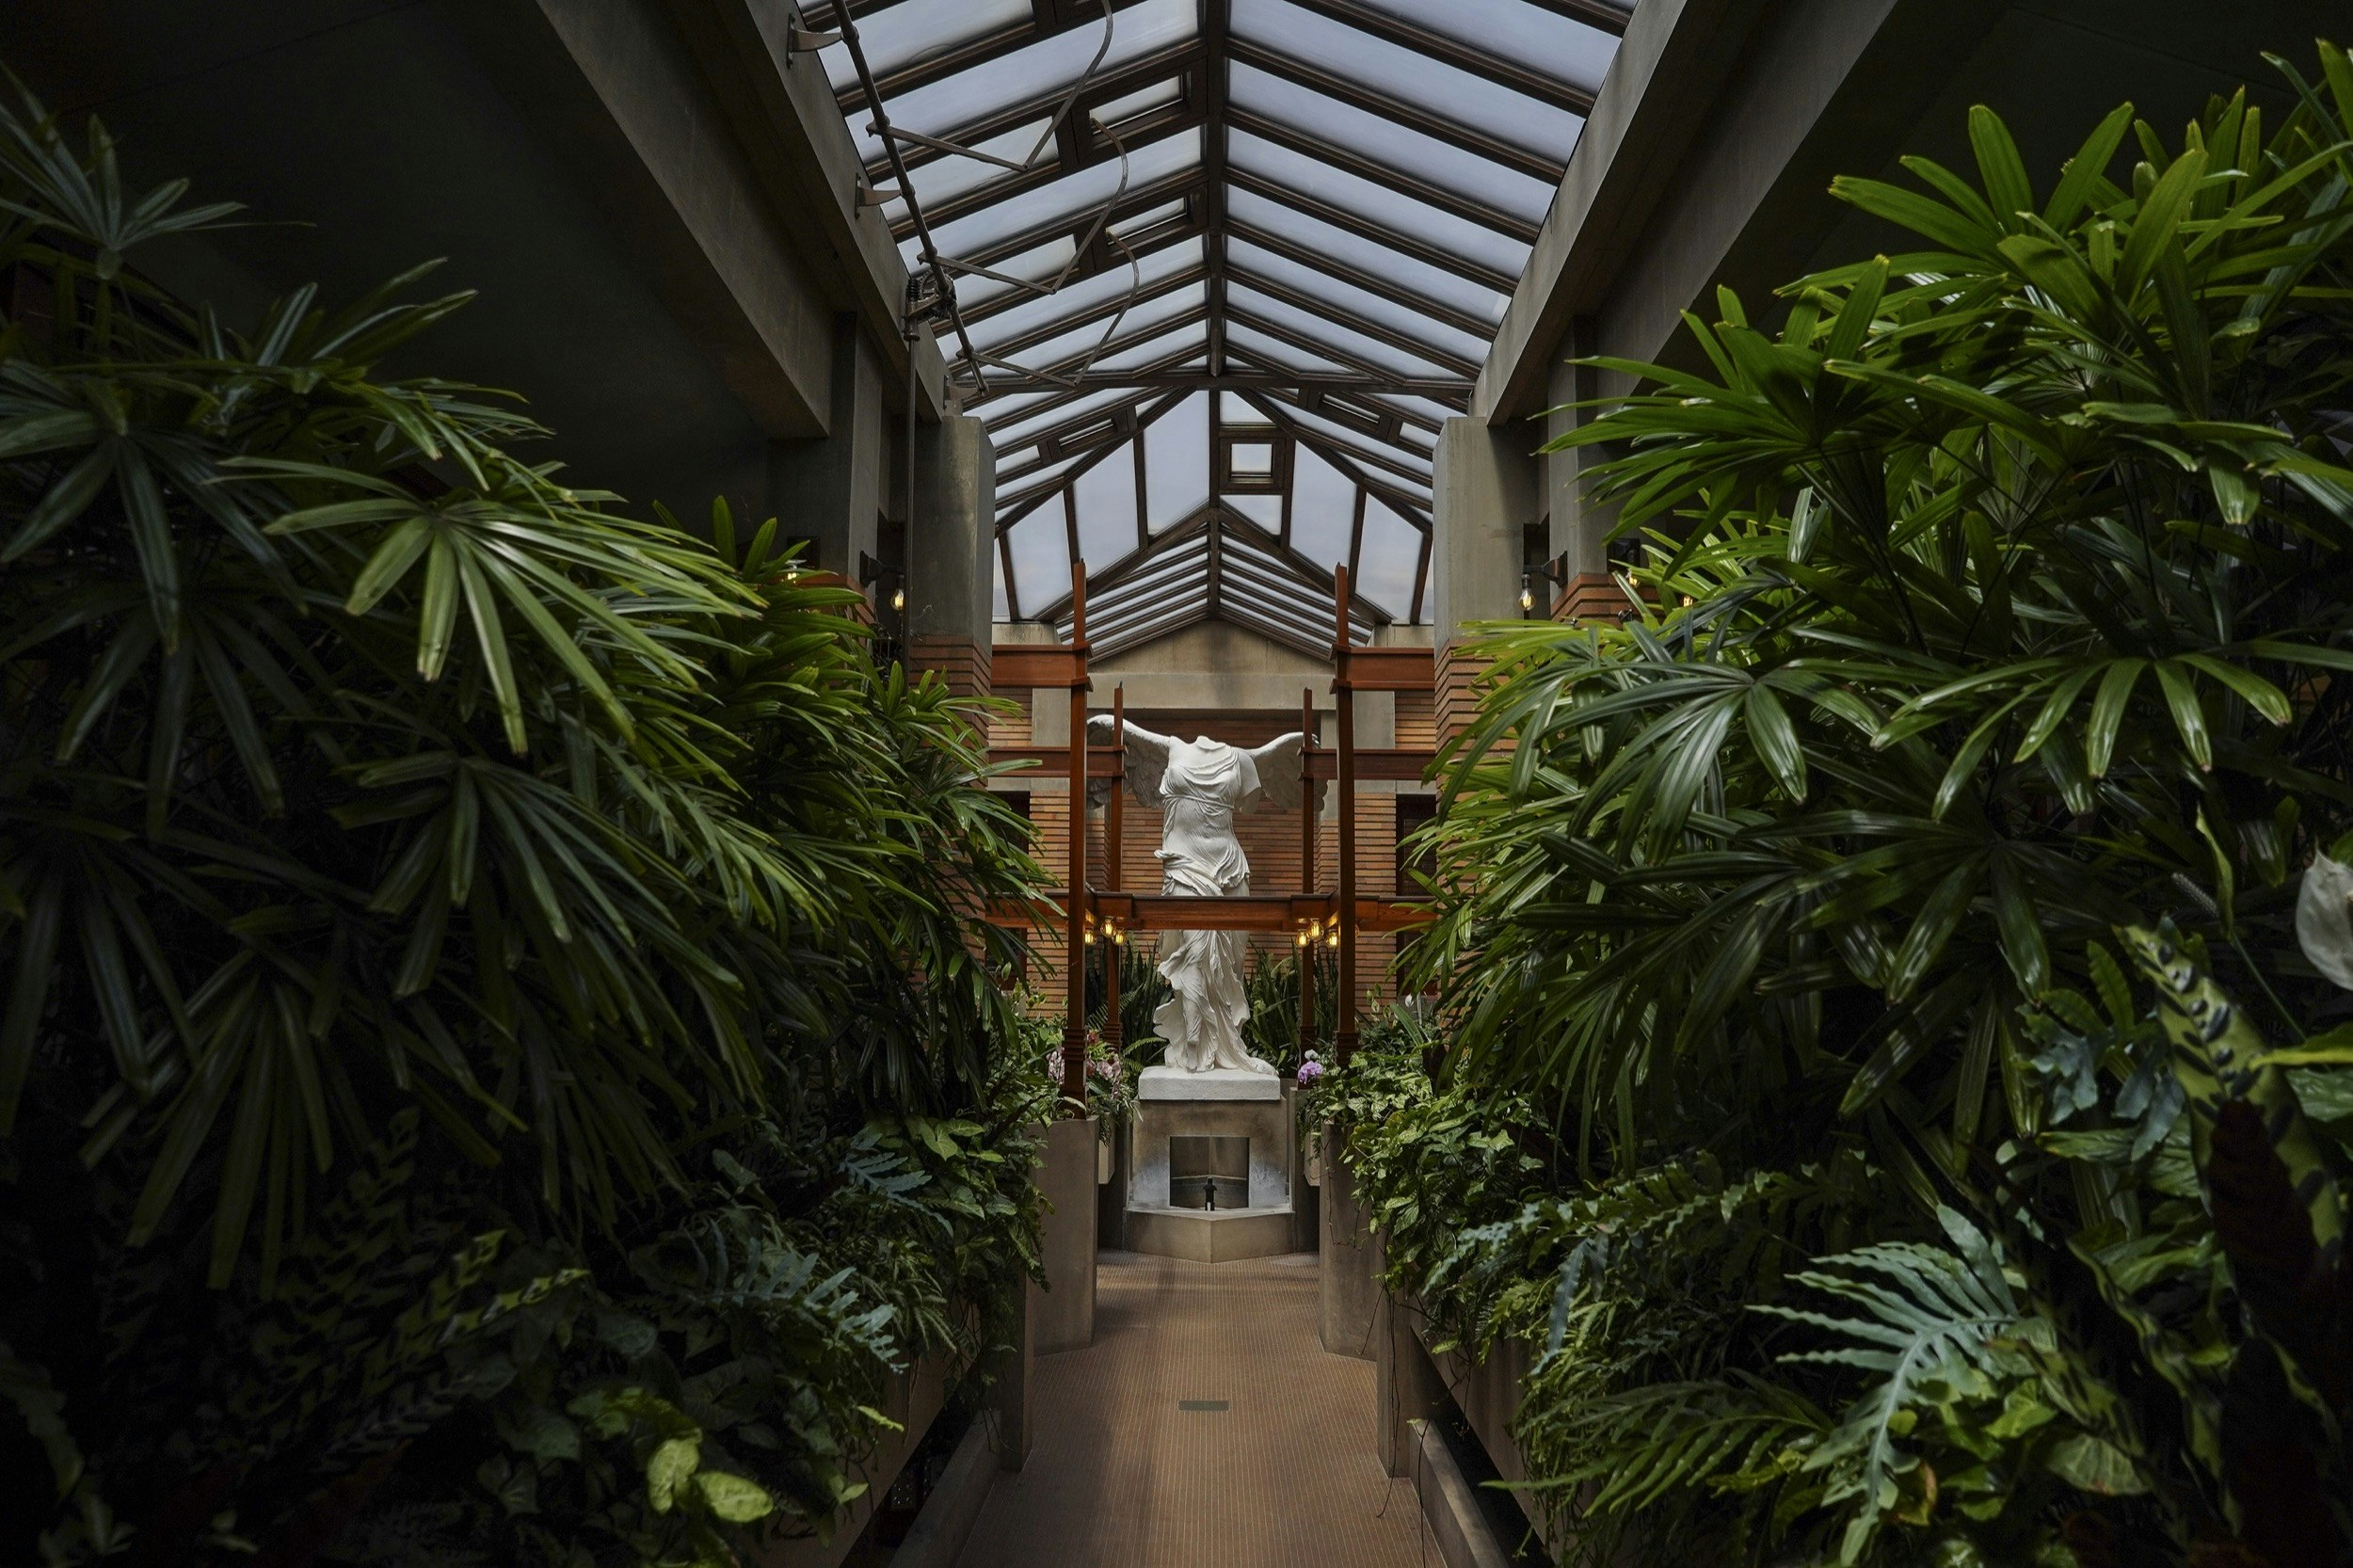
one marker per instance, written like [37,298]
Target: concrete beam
[953,550]
[1673,59]
[1489,487]
[783,112]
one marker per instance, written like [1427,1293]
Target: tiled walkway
[1124,1476]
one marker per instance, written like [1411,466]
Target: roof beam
[1363,228]
[996,383]
[1300,298]
[1112,83]
[1338,355]
[1045,22]
[1372,284]
[1535,165]
[1142,197]
[1006,299]
[1593,13]
[1216,34]
[1383,175]
[1046,331]
[1432,44]
[940,214]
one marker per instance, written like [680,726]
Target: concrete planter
[1064,1312]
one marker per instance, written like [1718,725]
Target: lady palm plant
[2005,604]
[358,774]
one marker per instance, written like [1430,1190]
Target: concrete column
[1489,487]
[1064,1311]
[1580,526]
[1407,1388]
[951,551]
[829,491]
[1349,1262]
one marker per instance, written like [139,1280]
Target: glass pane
[1085,339]
[1000,607]
[1041,558]
[1139,102]
[1089,296]
[1428,410]
[1323,508]
[1106,498]
[1564,50]
[1408,76]
[1390,557]
[1319,238]
[1032,74]
[1347,299]
[915,30]
[1156,349]
[1061,414]
[1387,142]
[1356,441]
[1233,409]
[1072,197]
[1176,463]
[1253,457]
[1279,355]
[1149,217]
[1266,511]
[1034,265]
[1319,331]
[943,179]
[1399,215]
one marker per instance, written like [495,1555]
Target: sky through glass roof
[1216,271]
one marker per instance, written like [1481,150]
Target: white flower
[2324,919]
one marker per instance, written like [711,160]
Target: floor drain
[1201,1404]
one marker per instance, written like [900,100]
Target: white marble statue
[1202,783]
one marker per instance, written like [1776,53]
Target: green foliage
[2005,588]
[1271,1030]
[499,1055]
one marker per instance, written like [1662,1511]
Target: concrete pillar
[1580,526]
[1407,1388]
[829,491]
[1348,1267]
[951,550]
[1065,1315]
[1489,487]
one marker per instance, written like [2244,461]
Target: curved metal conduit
[946,269]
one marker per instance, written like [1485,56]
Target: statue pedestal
[1197,1134]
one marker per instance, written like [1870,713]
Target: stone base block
[1201,1236]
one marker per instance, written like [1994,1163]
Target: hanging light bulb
[1333,940]
[898,599]
[1527,600]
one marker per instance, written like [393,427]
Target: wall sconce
[873,574]
[1541,580]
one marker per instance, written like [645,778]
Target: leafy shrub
[498,1059]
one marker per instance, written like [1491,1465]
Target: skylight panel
[1563,48]
[1387,142]
[1159,95]
[1409,273]
[1083,340]
[1346,300]
[914,31]
[1261,511]
[1176,463]
[1389,559]
[1095,296]
[1331,335]
[1034,265]
[1019,429]
[1105,498]
[1357,442]
[946,178]
[1034,74]
[1407,77]
[1376,204]
[1156,349]
[1041,558]
[1069,197]
[1323,509]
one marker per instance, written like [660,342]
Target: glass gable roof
[1215,271]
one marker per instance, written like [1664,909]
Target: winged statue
[1200,784]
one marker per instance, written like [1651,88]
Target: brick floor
[1122,1476]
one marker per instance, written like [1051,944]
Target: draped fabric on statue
[1200,785]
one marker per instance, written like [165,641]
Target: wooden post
[1344,699]
[1306,867]
[1112,858]
[1074,1034]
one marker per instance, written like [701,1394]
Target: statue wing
[1144,761]
[1277,765]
